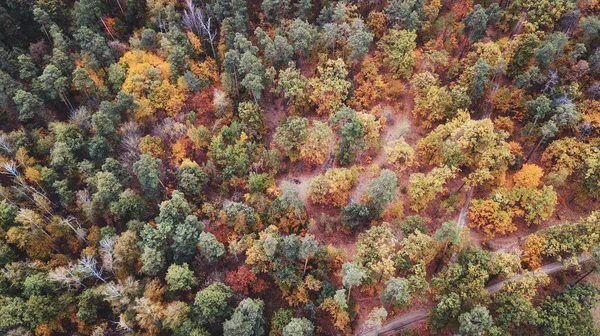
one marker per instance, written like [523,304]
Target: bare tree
[200,24]
[66,276]
[107,245]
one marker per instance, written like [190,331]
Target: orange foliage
[367,84]
[533,250]
[489,217]
[180,149]
[529,176]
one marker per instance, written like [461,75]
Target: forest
[299,167]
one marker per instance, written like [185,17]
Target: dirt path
[401,120]
[394,326]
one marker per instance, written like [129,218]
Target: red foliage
[245,281]
[202,103]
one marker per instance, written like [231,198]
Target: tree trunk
[305,264]
[534,148]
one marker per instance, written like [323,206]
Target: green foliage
[180,277]
[147,170]
[212,303]
[247,319]
[397,46]
[210,248]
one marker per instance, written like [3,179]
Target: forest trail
[401,126]
[394,326]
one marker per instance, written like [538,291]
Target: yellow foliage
[341,318]
[399,154]
[167,97]
[207,70]
[333,188]
[529,176]
[23,158]
[490,217]
[137,63]
[195,42]
[152,145]
[33,175]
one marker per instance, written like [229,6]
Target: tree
[247,319]
[315,148]
[333,188]
[354,275]
[210,248]
[212,303]
[294,85]
[191,178]
[28,105]
[147,171]
[291,134]
[180,277]
[308,248]
[407,14]
[477,322]
[354,214]
[129,206]
[377,316]
[568,312]
[375,251]
[423,188]
[550,49]
[8,212]
[397,47]
[86,13]
[399,154]
[491,217]
[186,237]
[381,191]
[330,88]
[476,23]
[359,40]
[529,176]
[243,280]
[299,326]
[396,292]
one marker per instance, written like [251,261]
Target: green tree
[147,170]
[477,322]
[28,105]
[210,248]
[180,277]
[191,179]
[212,303]
[308,248]
[396,292]
[568,312]
[299,327]
[397,46]
[407,14]
[247,319]
[291,134]
[353,275]
[382,190]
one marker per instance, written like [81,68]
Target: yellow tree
[330,88]
[399,154]
[315,148]
[423,188]
[333,188]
